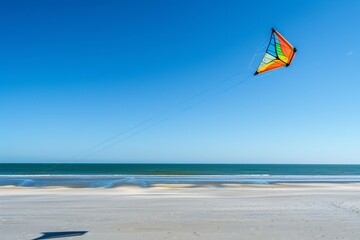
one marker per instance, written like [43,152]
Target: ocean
[147,175]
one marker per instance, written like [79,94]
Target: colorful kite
[279,53]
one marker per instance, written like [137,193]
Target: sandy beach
[282,211]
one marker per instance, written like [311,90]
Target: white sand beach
[281,212]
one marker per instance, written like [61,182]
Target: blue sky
[75,73]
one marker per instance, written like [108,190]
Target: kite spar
[279,53]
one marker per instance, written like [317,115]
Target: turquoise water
[146,175]
[178,169]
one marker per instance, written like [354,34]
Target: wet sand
[282,211]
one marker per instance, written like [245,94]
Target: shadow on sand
[50,235]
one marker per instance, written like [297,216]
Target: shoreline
[149,181]
[182,189]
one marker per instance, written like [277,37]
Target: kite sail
[279,53]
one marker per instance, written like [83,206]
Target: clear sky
[75,73]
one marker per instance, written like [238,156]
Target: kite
[279,53]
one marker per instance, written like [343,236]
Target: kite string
[140,124]
[194,96]
[158,122]
[163,120]
[84,154]
[183,110]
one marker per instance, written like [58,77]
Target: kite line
[279,53]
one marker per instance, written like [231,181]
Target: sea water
[146,175]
